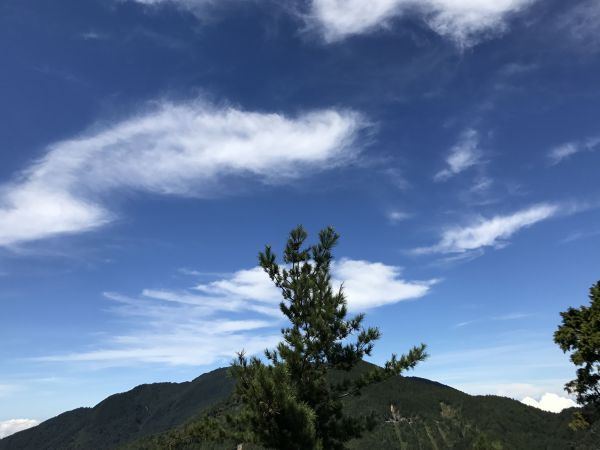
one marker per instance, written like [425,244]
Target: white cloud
[550,402]
[463,21]
[175,149]
[489,232]
[565,151]
[339,19]
[514,390]
[366,285]
[396,216]
[463,155]
[212,321]
[511,390]
[8,427]
[252,284]
[557,154]
[372,284]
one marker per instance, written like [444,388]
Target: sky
[149,149]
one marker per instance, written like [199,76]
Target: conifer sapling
[292,401]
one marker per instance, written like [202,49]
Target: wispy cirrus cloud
[465,22]
[501,318]
[580,22]
[179,149]
[177,328]
[210,322]
[568,149]
[465,154]
[492,232]
[12,426]
[578,235]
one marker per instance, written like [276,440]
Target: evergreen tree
[292,402]
[580,334]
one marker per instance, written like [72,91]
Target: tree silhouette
[580,335]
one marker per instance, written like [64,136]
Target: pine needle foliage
[290,401]
[579,334]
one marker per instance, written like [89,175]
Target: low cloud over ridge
[184,149]
[12,426]
[550,402]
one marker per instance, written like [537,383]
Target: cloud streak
[185,149]
[492,232]
[177,329]
[210,322]
[569,149]
[505,317]
[465,22]
[462,156]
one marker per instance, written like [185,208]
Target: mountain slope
[144,410]
[413,413]
[425,415]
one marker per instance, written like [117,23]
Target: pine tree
[292,401]
[580,335]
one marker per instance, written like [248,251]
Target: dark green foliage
[291,403]
[145,410]
[426,415]
[429,416]
[580,335]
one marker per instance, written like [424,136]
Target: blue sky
[150,149]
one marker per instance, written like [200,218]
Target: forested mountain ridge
[411,412]
[120,418]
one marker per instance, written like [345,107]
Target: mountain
[144,410]
[413,413]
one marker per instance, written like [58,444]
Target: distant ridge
[413,413]
[121,418]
